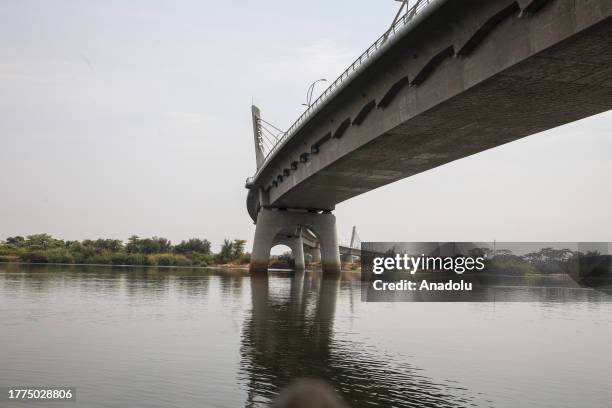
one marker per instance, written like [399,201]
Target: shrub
[202,260]
[56,255]
[119,258]
[103,259]
[9,258]
[137,259]
[79,258]
[35,257]
[59,255]
[11,250]
[160,259]
[244,259]
[180,260]
[168,260]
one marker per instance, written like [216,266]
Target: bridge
[449,79]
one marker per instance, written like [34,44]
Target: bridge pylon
[257,133]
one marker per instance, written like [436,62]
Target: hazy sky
[122,117]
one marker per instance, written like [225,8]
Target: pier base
[284,227]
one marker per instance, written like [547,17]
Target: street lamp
[310,91]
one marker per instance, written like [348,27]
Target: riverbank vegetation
[546,261]
[43,248]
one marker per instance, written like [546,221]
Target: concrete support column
[316,254]
[297,249]
[328,238]
[272,223]
[265,232]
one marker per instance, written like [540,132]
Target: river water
[130,337]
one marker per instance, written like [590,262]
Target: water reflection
[161,337]
[132,281]
[289,335]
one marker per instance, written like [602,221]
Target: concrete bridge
[449,79]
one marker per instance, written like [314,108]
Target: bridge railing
[333,87]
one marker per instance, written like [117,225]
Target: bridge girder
[501,71]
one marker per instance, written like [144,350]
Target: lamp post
[311,91]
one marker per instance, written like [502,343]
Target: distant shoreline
[220,266]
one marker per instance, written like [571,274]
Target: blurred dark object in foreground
[308,393]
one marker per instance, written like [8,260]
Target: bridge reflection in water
[204,337]
[290,334]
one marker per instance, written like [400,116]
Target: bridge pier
[297,248]
[316,254]
[278,226]
[294,241]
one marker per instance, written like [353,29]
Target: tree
[17,241]
[42,241]
[193,245]
[99,245]
[226,253]
[132,245]
[550,260]
[155,245]
[481,252]
[238,248]
[148,246]
[161,244]
[287,257]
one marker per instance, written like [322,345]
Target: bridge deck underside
[567,82]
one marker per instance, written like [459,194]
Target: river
[148,337]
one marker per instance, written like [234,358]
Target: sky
[133,117]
